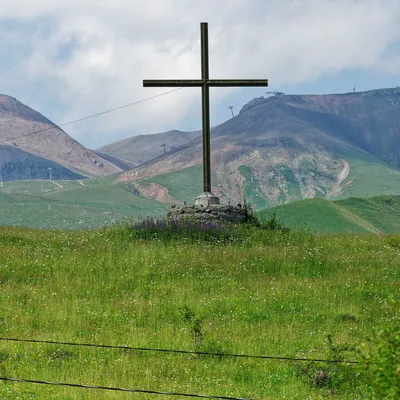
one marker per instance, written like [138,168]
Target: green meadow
[71,204]
[252,291]
[379,214]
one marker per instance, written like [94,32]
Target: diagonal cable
[90,116]
[105,346]
[118,389]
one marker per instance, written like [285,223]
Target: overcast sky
[72,58]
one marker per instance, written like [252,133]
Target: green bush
[381,360]
[273,224]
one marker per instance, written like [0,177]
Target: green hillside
[369,177]
[71,204]
[356,215]
[183,185]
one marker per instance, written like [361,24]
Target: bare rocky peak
[47,140]
[11,107]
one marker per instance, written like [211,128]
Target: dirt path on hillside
[354,218]
[57,184]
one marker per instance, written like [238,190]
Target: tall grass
[263,291]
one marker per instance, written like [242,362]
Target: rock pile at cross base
[225,214]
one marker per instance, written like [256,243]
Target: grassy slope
[383,211]
[73,206]
[374,215]
[315,214]
[183,185]
[275,295]
[370,177]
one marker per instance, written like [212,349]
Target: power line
[105,346]
[117,389]
[91,116]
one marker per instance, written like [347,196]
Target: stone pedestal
[206,199]
[217,213]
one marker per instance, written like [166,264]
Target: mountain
[30,156]
[137,150]
[289,147]
[379,214]
[17,164]
[124,165]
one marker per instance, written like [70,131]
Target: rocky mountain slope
[17,164]
[30,156]
[137,150]
[289,147]
[124,165]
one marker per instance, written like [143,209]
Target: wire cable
[90,116]
[105,346]
[117,389]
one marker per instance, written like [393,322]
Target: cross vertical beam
[205,83]
[205,75]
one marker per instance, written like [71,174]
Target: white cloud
[92,55]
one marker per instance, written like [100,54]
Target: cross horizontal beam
[207,82]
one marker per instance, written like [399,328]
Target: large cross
[205,83]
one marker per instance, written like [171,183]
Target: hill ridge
[295,147]
[379,214]
[357,219]
[26,134]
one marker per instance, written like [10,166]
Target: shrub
[273,224]
[251,215]
[381,360]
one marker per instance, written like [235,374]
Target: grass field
[71,204]
[262,292]
[99,202]
[354,215]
